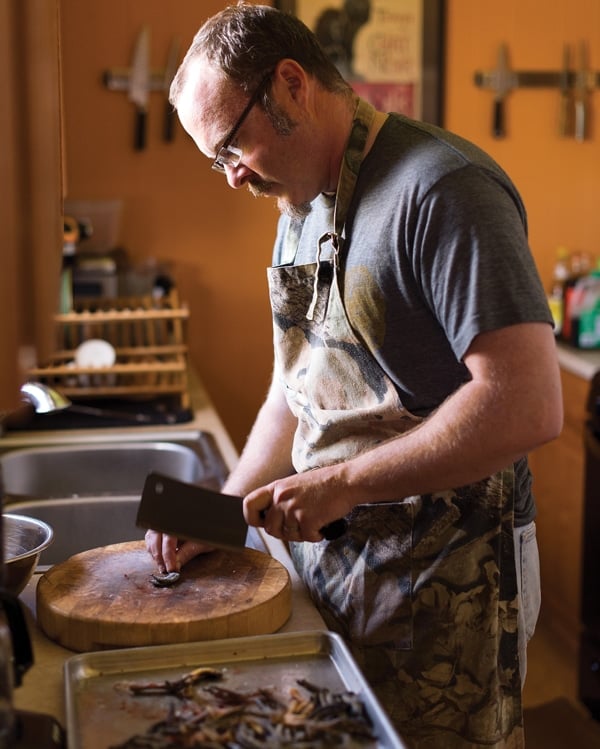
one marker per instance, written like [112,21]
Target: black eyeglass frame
[228,155]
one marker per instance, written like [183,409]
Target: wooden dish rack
[149,339]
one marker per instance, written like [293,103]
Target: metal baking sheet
[101,713]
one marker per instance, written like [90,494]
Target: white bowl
[95,353]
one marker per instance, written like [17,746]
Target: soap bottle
[556,298]
[581,265]
[585,323]
[70,238]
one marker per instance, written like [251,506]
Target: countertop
[205,419]
[43,686]
[584,364]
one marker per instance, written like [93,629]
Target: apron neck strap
[364,115]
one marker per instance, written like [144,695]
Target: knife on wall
[581,93]
[193,512]
[503,82]
[170,70]
[565,122]
[139,85]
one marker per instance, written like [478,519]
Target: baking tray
[100,713]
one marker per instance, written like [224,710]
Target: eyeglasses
[229,155]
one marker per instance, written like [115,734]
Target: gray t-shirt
[435,253]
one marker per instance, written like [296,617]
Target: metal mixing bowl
[24,540]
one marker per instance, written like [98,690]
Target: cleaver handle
[334,530]
[330,532]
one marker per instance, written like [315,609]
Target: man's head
[250,62]
[246,41]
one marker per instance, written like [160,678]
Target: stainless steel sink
[87,523]
[89,493]
[82,523]
[111,469]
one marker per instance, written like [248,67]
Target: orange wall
[219,242]
[559,178]
[174,206]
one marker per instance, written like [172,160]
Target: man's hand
[295,508]
[169,554]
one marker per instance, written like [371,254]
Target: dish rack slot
[149,338]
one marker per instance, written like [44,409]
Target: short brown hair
[247,41]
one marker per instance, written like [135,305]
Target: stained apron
[423,589]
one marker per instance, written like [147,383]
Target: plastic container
[556,298]
[585,311]
[104,218]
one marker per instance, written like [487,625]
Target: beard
[283,125]
[299,211]
[261,189]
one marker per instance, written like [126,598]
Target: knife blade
[139,85]
[581,92]
[193,512]
[170,70]
[503,83]
[565,123]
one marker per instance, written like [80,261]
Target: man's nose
[237,176]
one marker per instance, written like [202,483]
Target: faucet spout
[44,399]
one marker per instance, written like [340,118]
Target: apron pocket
[362,582]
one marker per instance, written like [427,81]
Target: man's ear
[292,77]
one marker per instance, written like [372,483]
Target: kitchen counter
[43,687]
[584,364]
[205,419]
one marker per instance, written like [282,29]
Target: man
[414,369]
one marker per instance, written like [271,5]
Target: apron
[422,589]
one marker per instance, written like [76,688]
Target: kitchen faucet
[43,398]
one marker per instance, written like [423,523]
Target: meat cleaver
[139,85]
[199,514]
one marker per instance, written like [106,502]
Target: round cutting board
[103,598]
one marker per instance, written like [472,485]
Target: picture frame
[390,51]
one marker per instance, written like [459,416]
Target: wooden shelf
[148,336]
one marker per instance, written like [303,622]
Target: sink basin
[85,523]
[89,493]
[111,469]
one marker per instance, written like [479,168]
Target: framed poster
[390,51]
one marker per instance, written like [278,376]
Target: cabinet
[31,168]
[558,471]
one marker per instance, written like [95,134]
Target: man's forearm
[267,453]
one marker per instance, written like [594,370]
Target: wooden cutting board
[103,598]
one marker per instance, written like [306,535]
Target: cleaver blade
[192,512]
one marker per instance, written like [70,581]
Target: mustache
[261,188]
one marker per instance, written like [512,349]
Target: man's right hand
[169,554]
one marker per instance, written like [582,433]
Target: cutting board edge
[243,624]
[83,633]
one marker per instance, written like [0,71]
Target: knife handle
[334,530]
[330,532]
[498,122]
[140,130]
[580,128]
[563,116]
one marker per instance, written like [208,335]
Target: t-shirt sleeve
[472,259]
